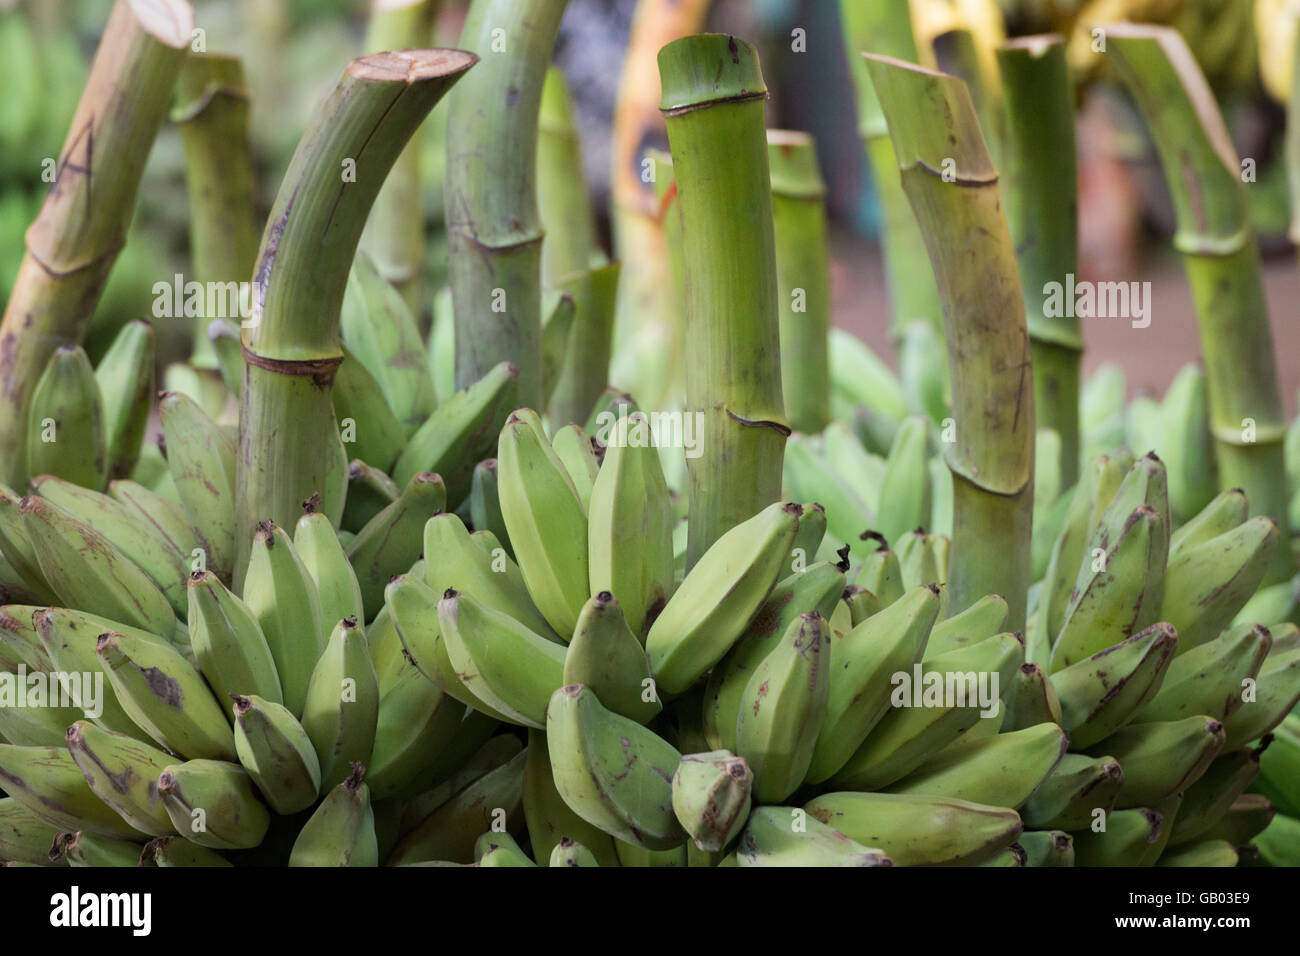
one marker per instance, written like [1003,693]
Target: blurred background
[295,50]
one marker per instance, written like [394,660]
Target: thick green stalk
[1041,192]
[394,235]
[82,225]
[713,95]
[493,225]
[1293,141]
[585,369]
[803,278]
[211,110]
[289,445]
[955,53]
[562,197]
[1221,256]
[885,27]
[935,130]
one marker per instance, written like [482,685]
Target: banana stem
[713,96]
[82,225]
[394,235]
[955,53]
[645,317]
[289,445]
[1042,203]
[212,112]
[1221,257]
[803,278]
[953,187]
[885,27]
[493,225]
[562,198]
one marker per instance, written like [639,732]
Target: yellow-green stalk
[562,199]
[713,96]
[803,278]
[82,225]
[1221,256]
[289,445]
[953,187]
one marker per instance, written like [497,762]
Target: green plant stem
[885,27]
[211,110]
[493,225]
[570,245]
[289,445]
[82,225]
[932,119]
[1221,257]
[955,53]
[803,278]
[713,95]
[394,235]
[585,369]
[1042,202]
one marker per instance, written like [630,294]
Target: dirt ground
[1150,357]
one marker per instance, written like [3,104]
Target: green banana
[807,476]
[123,773]
[341,832]
[201,460]
[213,803]
[34,725]
[1225,511]
[1209,798]
[1030,700]
[167,519]
[367,424]
[1163,758]
[391,541]
[485,503]
[787,836]
[228,643]
[606,656]
[277,753]
[558,311]
[1273,602]
[125,377]
[881,573]
[1127,838]
[24,837]
[165,696]
[499,849]
[1279,843]
[860,602]
[864,662]
[326,561]
[1073,792]
[177,851]
[370,491]
[572,446]
[417,723]
[88,849]
[905,487]
[17,550]
[630,531]
[1012,856]
[859,468]
[550,820]
[1188,448]
[1247,817]
[1208,853]
[1274,694]
[65,431]
[712,795]
[342,704]
[1047,848]
[918,830]
[977,623]
[47,783]
[719,598]
[807,540]
[1280,766]
[1102,693]
[783,707]
[611,771]
[1209,679]
[571,853]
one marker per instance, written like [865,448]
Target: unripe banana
[1278,843]
[417,723]
[228,643]
[861,604]
[277,753]
[1073,792]
[342,704]
[881,573]
[546,521]
[917,830]
[1208,853]
[65,431]
[19,553]
[485,503]
[1209,679]
[1247,817]
[213,804]
[1163,758]
[630,531]
[573,448]
[125,376]
[370,491]
[1280,766]
[808,476]
[176,851]
[391,541]
[201,460]
[165,517]
[41,726]
[500,849]
[1012,856]
[1209,798]
[1185,438]
[1273,602]
[807,540]
[165,696]
[611,771]
[1030,700]
[87,849]
[864,662]
[48,784]
[905,487]
[499,660]
[922,558]
[571,853]
[123,773]
[977,623]
[342,830]
[1128,837]
[723,592]
[1224,512]
[1047,848]
[550,821]
[326,561]
[787,836]
[24,837]
[711,797]
[606,656]
[1275,693]
[370,428]
[1001,771]
[783,707]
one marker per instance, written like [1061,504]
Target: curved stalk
[493,226]
[212,112]
[934,128]
[82,225]
[289,445]
[562,198]
[1042,202]
[803,278]
[713,95]
[1221,257]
